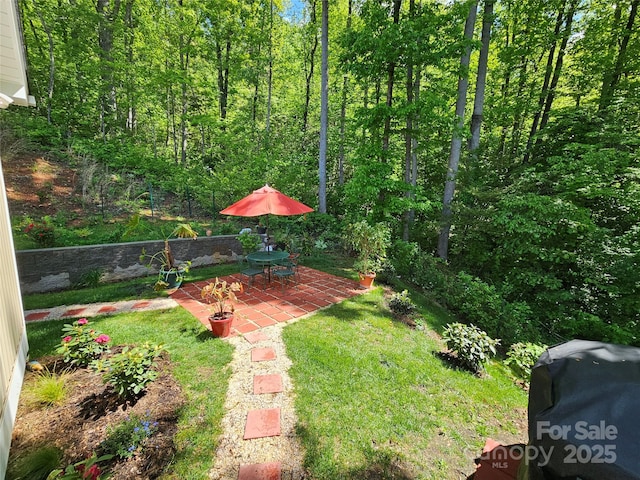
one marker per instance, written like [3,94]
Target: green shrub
[472,345]
[90,279]
[249,241]
[125,439]
[42,233]
[522,356]
[131,370]
[386,273]
[36,465]
[404,256]
[474,300]
[87,469]
[81,344]
[401,304]
[49,388]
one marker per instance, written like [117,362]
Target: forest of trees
[501,135]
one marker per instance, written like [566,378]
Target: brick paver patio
[259,307]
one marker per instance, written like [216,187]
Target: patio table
[266,259]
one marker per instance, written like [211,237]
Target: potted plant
[260,228]
[249,241]
[220,295]
[171,273]
[370,245]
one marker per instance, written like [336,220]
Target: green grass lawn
[375,401]
[136,288]
[199,363]
[373,398]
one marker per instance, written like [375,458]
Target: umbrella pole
[268,246]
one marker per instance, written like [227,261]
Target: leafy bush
[131,370]
[522,356]
[386,273]
[125,439]
[401,304]
[474,301]
[404,256]
[42,233]
[85,470]
[249,241]
[35,465]
[472,345]
[81,344]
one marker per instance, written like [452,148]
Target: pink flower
[103,338]
[92,473]
[83,321]
[67,339]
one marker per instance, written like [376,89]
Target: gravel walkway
[233,451]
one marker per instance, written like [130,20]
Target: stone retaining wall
[50,269]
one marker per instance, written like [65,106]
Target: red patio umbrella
[265,201]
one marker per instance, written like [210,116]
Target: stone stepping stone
[260,471]
[33,316]
[107,309]
[73,312]
[141,304]
[262,423]
[262,354]
[267,384]
[255,337]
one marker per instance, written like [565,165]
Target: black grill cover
[584,413]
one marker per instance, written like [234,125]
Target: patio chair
[285,274]
[292,263]
[253,271]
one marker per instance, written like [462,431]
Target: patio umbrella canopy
[265,201]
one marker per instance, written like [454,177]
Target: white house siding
[13,336]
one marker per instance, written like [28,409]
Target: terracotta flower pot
[366,279]
[221,326]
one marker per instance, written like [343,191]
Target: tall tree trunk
[408,134]
[131,121]
[365,105]
[612,77]
[184,43]
[267,127]
[343,109]
[312,62]
[106,16]
[456,140]
[257,75]
[52,63]
[414,142]
[256,91]
[519,114]
[183,123]
[343,123]
[390,78]
[545,83]
[184,103]
[558,68]
[478,103]
[324,106]
[223,77]
[504,90]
